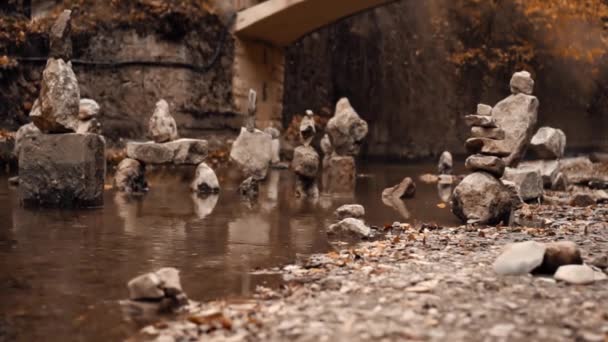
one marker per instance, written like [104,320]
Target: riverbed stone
[549,143]
[350,210]
[579,170]
[62,170]
[252,153]
[520,258]
[205,180]
[517,116]
[351,226]
[489,133]
[490,164]
[558,254]
[560,183]
[579,274]
[481,198]
[346,129]
[548,169]
[56,110]
[60,40]
[305,162]
[178,152]
[446,163]
[405,189]
[529,182]
[88,109]
[162,126]
[130,176]
[480,121]
[582,199]
[522,82]
[24,132]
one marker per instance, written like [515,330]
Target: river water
[62,272]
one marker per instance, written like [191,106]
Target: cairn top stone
[549,143]
[162,126]
[60,36]
[346,129]
[522,82]
[56,110]
[484,109]
[307,128]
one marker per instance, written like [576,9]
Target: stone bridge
[262,30]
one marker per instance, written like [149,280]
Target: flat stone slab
[62,170]
[178,152]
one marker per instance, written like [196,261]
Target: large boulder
[62,170]
[346,129]
[162,126]
[481,198]
[252,153]
[549,143]
[529,182]
[178,152]
[56,110]
[491,164]
[23,133]
[205,180]
[130,176]
[305,162]
[517,116]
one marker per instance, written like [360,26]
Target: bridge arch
[263,30]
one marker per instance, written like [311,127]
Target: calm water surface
[62,272]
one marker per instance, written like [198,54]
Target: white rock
[350,226]
[162,126]
[252,153]
[305,161]
[88,109]
[520,258]
[205,180]
[522,82]
[145,286]
[350,210]
[446,163]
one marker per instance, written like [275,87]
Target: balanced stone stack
[58,167]
[481,197]
[346,131]
[306,160]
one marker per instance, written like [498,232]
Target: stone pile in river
[346,132]
[305,163]
[350,222]
[155,292]
[481,197]
[61,156]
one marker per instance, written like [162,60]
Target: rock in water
[162,126]
[405,189]
[579,274]
[528,181]
[490,164]
[23,133]
[60,40]
[62,170]
[446,163]
[520,258]
[517,116]
[549,143]
[481,198]
[130,176]
[350,226]
[350,211]
[346,129]
[305,162]
[252,153]
[162,287]
[522,82]
[88,109]
[56,110]
[205,180]
[307,128]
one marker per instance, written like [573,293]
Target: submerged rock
[405,189]
[520,258]
[162,126]
[481,198]
[205,180]
[130,176]
[529,182]
[252,153]
[579,274]
[346,129]
[549,143]
[350,211]
[446,163]
[56,110]
[350,226]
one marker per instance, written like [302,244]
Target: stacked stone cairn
[346,131]
[306,160]
[61,164]
[481,197]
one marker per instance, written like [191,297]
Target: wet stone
[350,210]
[490,147]
[62,170]
[252,153]
[178,152]
[305,162]
[559,254]
[24,132]
[250,188]
[549,143]
[340,174]
[481,198]
[490,164]
[520,258]
[205,180]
